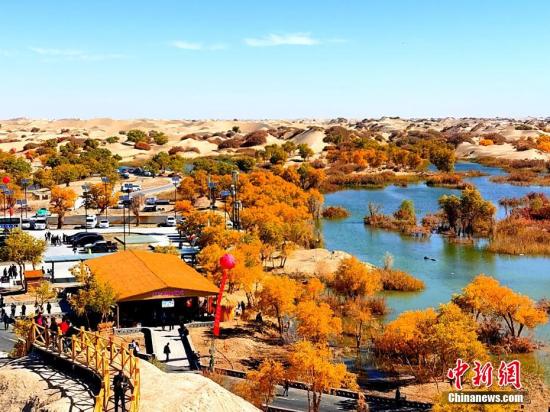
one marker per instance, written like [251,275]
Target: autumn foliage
[62,199]
[487,299]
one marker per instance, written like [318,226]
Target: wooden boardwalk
[101,356]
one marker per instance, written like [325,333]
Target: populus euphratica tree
[62,200]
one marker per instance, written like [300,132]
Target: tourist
[171,321]
[136,349]
[49,308]
[39,319]
[120,384]
[4,318]
[23,309]
[163,319]
[54,331]
[64,330]
[132,346]
[13,307]
[397,394]
[167,351]
[286,385]
[1,300]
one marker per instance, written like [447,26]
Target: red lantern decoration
[227,262]
[6,179]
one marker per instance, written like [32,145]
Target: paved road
[7,339]
[297,401]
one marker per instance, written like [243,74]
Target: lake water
[455,265]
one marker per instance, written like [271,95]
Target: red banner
[218,316]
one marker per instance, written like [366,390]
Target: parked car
[43,212]
[25,224]
[125,175]
[130,187]
[103,246]
[170,221]
[162,202]
[39,224]
[91,221]
[72,238]
[151,200]
[103,224]
[87,240]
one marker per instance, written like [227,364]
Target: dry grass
[335,212]
[517,236]
[399,280]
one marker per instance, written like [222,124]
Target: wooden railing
[96,353]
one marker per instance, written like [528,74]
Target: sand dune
[16,133]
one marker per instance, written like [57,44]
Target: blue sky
[274,59]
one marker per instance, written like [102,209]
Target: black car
[87,240]
[103,246]
[72,238]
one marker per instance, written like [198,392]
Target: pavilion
[153,288]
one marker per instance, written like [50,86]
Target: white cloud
[292,39]
[56,52]
[74,54]
[185,45]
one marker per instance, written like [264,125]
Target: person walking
[120,383]
[49,308]
[4,318]
[13,307]
[286,385]
[167,351]
[23,309]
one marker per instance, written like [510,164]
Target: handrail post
[73,342]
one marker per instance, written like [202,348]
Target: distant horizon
[283,60]
[269,119]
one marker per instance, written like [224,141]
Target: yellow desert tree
[316,321]
[42,292]
[358,320]
[259,386]
[21,248]
[93,296]
[62,200]
[485,297]
[313,364]
[102,196]
[428,341]
[278,298]
[353,279]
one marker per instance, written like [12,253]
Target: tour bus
[10,222]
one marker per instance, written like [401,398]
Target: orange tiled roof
[33,274]
[136,275]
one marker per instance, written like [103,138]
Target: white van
[39,224]
[130,187]
[91,221]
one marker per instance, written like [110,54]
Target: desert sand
[202,137]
